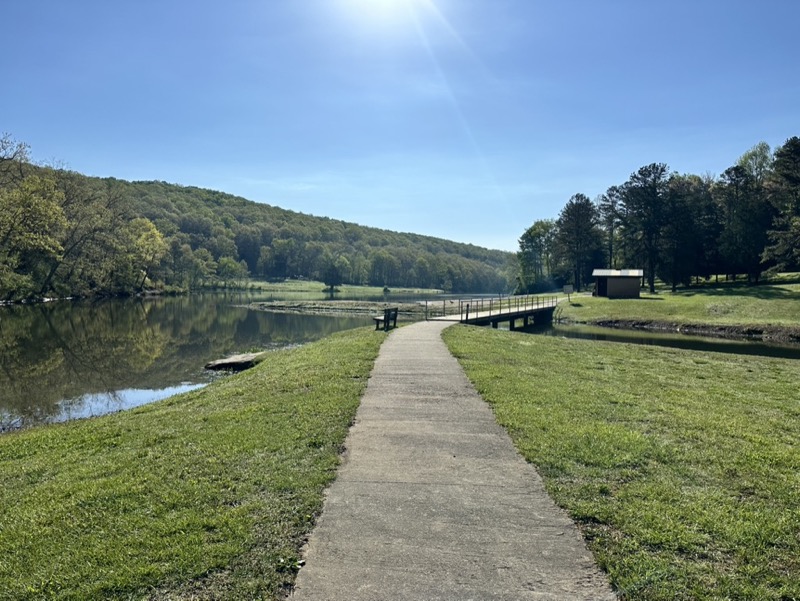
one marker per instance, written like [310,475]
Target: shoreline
[407,311]
[753,333]
[415,311]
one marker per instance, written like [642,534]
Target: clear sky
[463,119]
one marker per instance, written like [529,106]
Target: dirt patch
[766,333]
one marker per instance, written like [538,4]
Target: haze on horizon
[461,119]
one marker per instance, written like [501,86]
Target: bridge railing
[488,306]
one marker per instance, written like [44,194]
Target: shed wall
[623,287]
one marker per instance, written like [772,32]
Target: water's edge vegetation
[207,494]
[680,467]
[64,234]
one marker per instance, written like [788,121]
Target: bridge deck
[496,310]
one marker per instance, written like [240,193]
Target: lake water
[65,360]
[673,340]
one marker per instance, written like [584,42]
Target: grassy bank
[205,495]
[313,290]
[680,467]
[740,305]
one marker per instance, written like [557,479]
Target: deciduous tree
[31,220]
[535,255]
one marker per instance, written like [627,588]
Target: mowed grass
[207,495]
[682,468]
[774,304]
[318,290]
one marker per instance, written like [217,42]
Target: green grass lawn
[682,468]
[775,304]
[313,290]
[206,495]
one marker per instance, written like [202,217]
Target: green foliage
[757,162]
[679,227]
[680,467]
[277,244]
[205,495]
[680,239]
[609,206]
[784,247]
[104,245]
[746,216]
[644,210]
[784,193]
[14,158]
[31,220]
[536,257]
[578,239]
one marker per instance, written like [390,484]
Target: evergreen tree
[783,249]
[746,218]
[578,239]
[644,204]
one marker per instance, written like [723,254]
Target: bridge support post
[541,317]
[494,324]
[511,324]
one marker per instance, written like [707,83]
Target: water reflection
[75,358]
[92,404]
[673,340]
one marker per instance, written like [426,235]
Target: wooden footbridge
[495,310]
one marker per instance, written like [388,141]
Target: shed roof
[618,273]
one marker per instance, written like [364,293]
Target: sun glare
[380,12]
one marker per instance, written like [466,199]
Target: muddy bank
[765,333]
[406,311]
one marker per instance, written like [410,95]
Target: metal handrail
[490,307]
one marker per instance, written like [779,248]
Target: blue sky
[463,119]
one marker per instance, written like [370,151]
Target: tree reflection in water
[64,360]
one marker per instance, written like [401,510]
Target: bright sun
[380,10]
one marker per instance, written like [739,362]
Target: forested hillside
[676,227]
[63,234]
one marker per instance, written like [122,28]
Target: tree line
[65,234]
[678,228]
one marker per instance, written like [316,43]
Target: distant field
[681,467]
[314,289]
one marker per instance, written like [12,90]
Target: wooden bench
[388,319]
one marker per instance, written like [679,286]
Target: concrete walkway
[432,501]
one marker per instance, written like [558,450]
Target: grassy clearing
[775,305]
[681,468]
[205,495]
[317,290]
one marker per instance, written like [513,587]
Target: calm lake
[65,360]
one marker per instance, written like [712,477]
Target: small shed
[617,283]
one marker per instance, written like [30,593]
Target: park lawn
[681,468]
[737,305]
[205,495]
[313,290]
